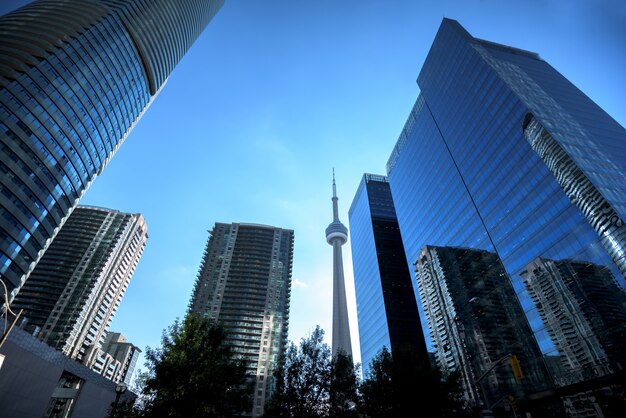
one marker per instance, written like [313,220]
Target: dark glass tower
[386,305]
[75,76]
[245,283]
[501,153]
[74,291]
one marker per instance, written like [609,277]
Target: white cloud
[299,283]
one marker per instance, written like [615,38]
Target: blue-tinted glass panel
[60,123]
[371,315]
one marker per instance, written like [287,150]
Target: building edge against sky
[74,291]
[37,379]
[471,169]
[386,306]
[244,282]
[73,82]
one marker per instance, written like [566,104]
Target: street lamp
[5,310]
[119,390]
[517,373]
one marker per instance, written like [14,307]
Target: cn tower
[337,235]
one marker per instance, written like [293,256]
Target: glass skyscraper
[75,289]
[386,306]
[501,153]
[244,282]
[75,76]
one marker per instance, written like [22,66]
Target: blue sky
[274,94]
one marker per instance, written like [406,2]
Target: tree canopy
[193,374]
[302,385]
[312,385]
[377,392]
[404,385]
[344,385]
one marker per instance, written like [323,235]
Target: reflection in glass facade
[580,190]
[476,323]
[584,313]
[463,173]
[386,306]
[75,76]
[244,282]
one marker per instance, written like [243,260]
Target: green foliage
[193,374]
[125,409]
[377,390]
[403,386]
[312,385]
[343,387]
[303,384]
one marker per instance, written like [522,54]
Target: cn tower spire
[337,235]
[335,199]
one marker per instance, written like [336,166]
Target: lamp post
[518,375]
[119,390]
[5,310]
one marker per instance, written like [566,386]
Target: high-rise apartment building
[502,154]
[244,282]
[476,325]
[385,298]
[337,236]
[75,76]
[584,312]
[116,359]
[75,289]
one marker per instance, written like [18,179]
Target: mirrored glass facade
[582,309]
[476,326]
[464,173]
[75,76]
[386,306]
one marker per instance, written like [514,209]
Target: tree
[343,387]
[311,385]
[302,385]
[377,392]
[193,374]
[405,384]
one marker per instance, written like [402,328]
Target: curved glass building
[75,76]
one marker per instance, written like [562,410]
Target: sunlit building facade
[75,77]
[75,289]
[386,306]
[502,154]
[116,359]
[244,282]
